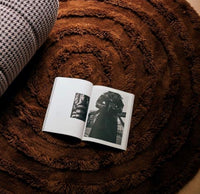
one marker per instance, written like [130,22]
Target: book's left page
[68,104]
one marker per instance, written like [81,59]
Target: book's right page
[109,117]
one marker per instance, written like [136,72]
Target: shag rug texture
[147,47]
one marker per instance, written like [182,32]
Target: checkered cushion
[25,25]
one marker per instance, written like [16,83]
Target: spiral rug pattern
[149,48]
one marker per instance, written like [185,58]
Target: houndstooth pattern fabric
[25,25]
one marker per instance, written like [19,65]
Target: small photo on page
[80,106]
[106,117]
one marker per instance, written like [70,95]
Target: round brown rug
[149,48]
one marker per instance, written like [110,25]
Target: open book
[90,112]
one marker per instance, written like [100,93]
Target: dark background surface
[148,48]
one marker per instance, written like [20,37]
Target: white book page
[67,108]
[109,117]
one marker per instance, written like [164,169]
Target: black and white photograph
[80,106]
[106,117]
